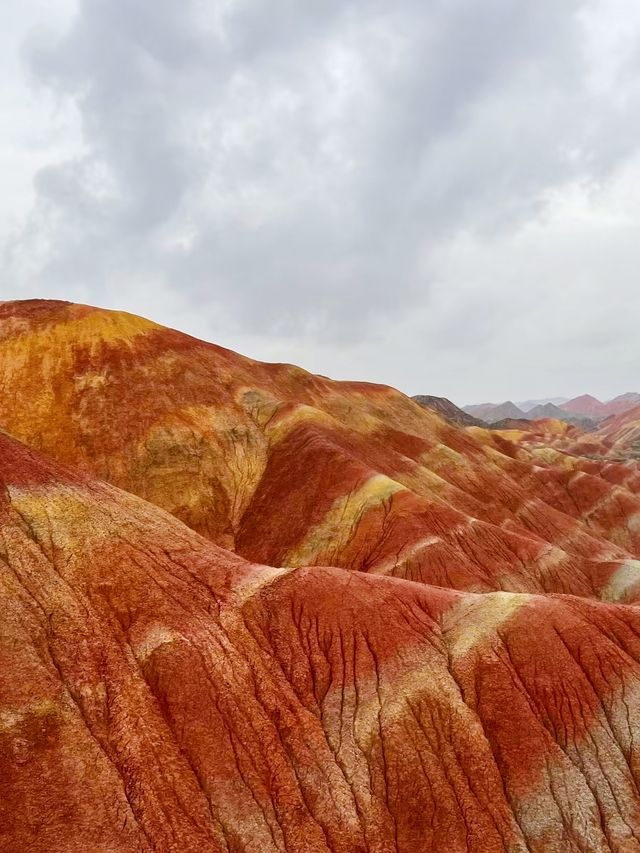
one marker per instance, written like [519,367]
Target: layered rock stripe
[161,693]
[441,654]
[283,466]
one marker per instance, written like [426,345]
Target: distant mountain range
[549,410]
[585,411]
[490,412]
[505,415]
[587,405]
[527,405]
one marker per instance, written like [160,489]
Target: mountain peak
[585,404]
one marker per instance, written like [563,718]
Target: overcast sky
[443,196]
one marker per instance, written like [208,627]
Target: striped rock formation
[618,437]
[287,468]
[161,693]
[249,609]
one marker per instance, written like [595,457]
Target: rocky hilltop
[245,608]
[449,411]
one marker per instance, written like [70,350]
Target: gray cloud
[307,172]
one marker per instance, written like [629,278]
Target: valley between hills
[246,608]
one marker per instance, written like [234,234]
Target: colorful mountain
[160,693]
[287,468]
[245,608]
[618,437]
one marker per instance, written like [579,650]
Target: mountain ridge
[247,608]
[586,409]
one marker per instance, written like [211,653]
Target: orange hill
[401,680]
[288,468]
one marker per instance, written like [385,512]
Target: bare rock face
[300,615]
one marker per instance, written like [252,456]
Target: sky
[440,196]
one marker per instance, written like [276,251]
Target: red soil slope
[620,435]
[616,439]
[160,693]
[445,658]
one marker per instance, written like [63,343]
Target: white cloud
[438,196]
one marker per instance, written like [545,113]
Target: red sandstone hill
[621,433]
[287,468]
[444,658]
[617,437]
[160,693]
